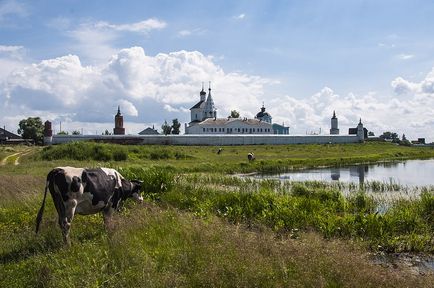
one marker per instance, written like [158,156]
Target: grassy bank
[233,159]
[154,245]
[210,229]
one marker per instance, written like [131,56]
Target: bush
[85,151]
[156,180]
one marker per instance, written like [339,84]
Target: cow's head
[132,189]
[136,188]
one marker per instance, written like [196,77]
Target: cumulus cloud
[11,58]
[426,86]
[148,88]
[411,114]
[151,89]
[94,39]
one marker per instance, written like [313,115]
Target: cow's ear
[138,181]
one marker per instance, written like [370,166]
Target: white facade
[204,120]
[230,126]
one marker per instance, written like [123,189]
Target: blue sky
[75,61]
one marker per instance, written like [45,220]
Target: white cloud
[150,89]
[186,32]
[405,56]
[128,108]
[12,8]
[11,58]
[94,40]
[14,52]
[240,16]
[142,26]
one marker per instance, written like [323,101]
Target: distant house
[149,131]
[7,137]
[419,141]
[280,129]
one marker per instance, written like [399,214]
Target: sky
[73,62]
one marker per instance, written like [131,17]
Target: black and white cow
[86,191]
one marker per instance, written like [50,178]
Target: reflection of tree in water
[389,164]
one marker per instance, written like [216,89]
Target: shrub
[156,180]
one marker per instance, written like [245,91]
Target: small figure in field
[251,156]
[219,151]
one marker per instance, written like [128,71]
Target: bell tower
[119,124]
[334,123]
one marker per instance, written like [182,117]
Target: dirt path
[16,162]
[5,160]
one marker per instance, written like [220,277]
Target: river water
[407,173]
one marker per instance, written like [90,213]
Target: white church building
[204,120]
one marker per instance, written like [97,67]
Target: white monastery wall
[210,139]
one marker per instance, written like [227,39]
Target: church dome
[262,113]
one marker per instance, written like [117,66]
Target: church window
[203,129]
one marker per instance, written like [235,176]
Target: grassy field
[200,227]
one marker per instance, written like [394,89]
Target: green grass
[200,227]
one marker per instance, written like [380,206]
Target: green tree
[32,128]
[166,128]
[235,114]
[175,126]
[106,132]
[76,132]
[62,133]
[390,136]
[370,133]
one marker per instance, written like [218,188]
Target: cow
[86,191]
[219,151]
[250,156]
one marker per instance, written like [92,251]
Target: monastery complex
[205,128]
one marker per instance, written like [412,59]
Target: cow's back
[100,185]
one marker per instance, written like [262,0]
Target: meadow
[203,226]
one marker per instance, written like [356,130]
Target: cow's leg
[60,208]
[66,220]
[107,215]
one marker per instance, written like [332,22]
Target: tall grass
[405,226]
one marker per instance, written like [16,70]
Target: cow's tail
[41,210]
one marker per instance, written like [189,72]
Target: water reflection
[410,172]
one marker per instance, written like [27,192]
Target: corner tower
[119,123]
[334,130]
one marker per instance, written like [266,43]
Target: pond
[406,173]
